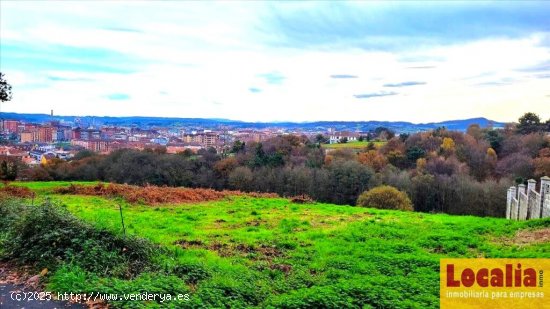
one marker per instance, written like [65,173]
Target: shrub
[385,197]
[48,235]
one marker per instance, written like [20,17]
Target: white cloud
[192,60]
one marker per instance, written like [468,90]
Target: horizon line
[259,122]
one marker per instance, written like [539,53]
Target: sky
[278,61]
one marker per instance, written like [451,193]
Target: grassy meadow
[246,252]
[352,145]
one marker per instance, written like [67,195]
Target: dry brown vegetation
[13,191]
[153,195]
[301,199]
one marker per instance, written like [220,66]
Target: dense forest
[440,170]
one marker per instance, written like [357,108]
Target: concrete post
[522,203]
[521,189]
[514,206]
[532,209]
[508,202]
[531,185]
[544,193]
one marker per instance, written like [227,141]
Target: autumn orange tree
[373,159]
[448,146]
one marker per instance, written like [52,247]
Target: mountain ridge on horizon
[151,121]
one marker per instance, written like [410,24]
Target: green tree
[275,159]
[5,89]
[3,170]
[320,139]
[495,138]
[260,158]
[384,133]
[8,170]
[347,179]
[5,93]
[238,146]
[83,154]
[529,123]
[414,153]
[12,171]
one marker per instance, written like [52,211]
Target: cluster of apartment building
[32,138]
[33,143]
[31,132]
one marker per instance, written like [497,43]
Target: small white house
[336,137]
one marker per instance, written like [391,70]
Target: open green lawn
[47,186]
[352,145]
[258,252]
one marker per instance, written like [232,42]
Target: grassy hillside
[267,252]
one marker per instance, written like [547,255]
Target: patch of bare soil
[14,279]
[261,252]
[10,274]
[256,222]
[186,244]
[529,237]
[285,268]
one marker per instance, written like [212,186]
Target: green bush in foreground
[48,235]
[385,197]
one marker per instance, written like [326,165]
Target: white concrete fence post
[545,196]
[533,203]
[531,185]
[514,206]
[524,202]
[508,203]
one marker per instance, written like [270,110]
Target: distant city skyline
[278,61]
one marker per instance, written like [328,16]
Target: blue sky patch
[343,76]
[273,78]
[118,96]
[404,84]
[374,94]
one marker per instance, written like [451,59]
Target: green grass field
[352,145]
[269,253]
[45,187]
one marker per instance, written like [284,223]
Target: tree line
[440,170]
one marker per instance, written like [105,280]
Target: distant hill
[147,122]
[462,125]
